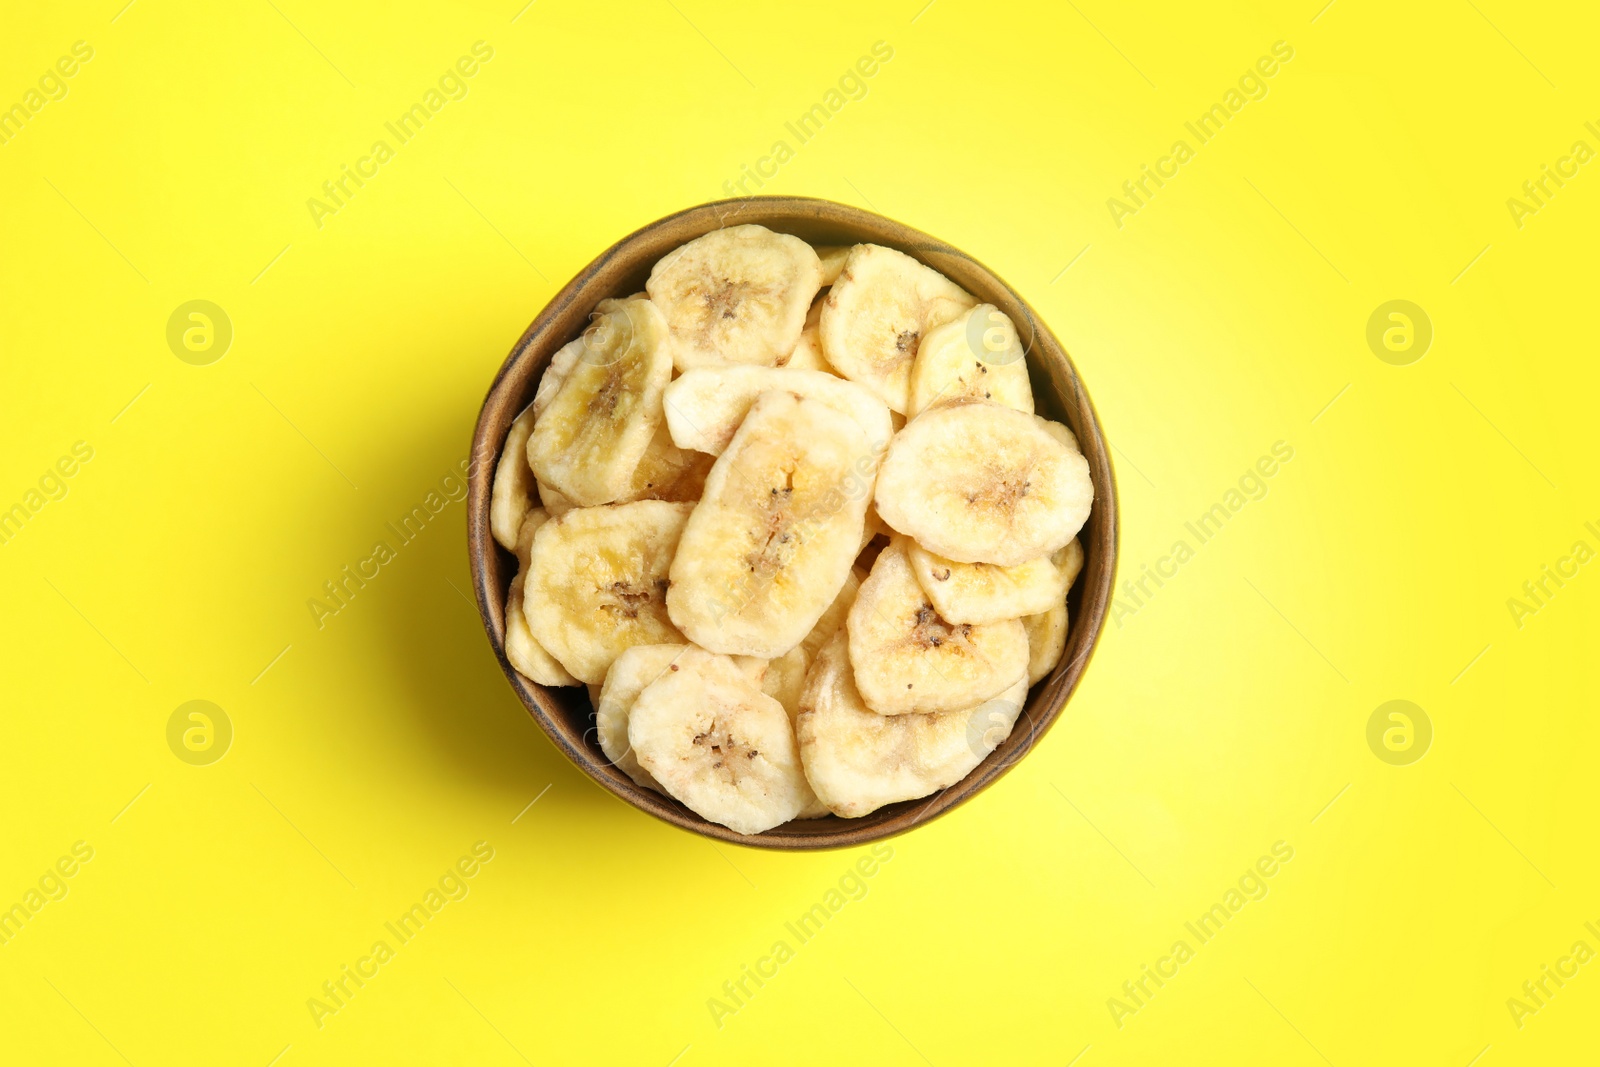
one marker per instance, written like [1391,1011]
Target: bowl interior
[565,713]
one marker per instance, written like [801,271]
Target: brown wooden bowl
[565,714]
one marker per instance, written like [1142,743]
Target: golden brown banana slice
[977,355]
[705,407]
[877,313]
[718,744]
[598,582]
[628,676]
[770,544]
[985,592]
[511,495]
[977,482]
[1047,641]
[857,760]
[589,440]
[909,659]
[737,295]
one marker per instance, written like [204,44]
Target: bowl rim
[512,387]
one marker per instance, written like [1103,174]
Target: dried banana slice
[857,760]
[737,295]
[667,472]
[566,357]
[770,544]
[832,258]
[1047,640]
[832,619]
[877,313]
[909,659]
[511,495]
[524,653]
[555,503]
[977,482]
[977,355]
[807,354]
[718,744]
[705,407]
[1061,433]
[588,441]
[628,676]
[598,581]
[985,592]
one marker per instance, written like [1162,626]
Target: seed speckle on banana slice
[986,592]
[908,658]
[511,495]
[977,482]
[598,583]
[857,760]
[527,655]
[877,313]
[1047,640]
[737,295]
[705,407]
[628,676]
[977,355]
[770,544]
[587,442]
[719,745]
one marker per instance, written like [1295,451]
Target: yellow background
[1225,715]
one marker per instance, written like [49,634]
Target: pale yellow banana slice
[588,441]
[985,592]
[833,619]
[783,681]
[857,760]
[977,482]
[909,659]
[877,313]
[1061,433]
[552,499]
[630,672]
[555,375]
[598,582]
[977,355]
[832,258]
[1047,640]
[737,295]
[718,744]
[770,544]
[807,354]
[667,472]
[705,407]
[511,495]
[524,653]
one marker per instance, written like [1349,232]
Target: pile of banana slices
[791,518]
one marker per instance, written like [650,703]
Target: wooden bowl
[565,713]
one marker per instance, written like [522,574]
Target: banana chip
[598,583]
[737,295]
[909,659]
[977,482]
[590,438]
[857,760]
[771,543]
[977,355]
[985,592]
[876,315]
[705,407]
[511,495]
[719,745]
